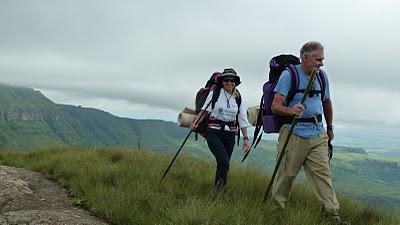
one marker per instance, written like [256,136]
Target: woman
[224,117]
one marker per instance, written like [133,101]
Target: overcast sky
[147,59]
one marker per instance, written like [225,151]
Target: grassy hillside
[373,179]
[123,187]
[28,120]
[23,98]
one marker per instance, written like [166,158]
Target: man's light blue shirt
[313,105]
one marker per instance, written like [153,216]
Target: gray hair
[309,48]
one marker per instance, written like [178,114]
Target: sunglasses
[229,80]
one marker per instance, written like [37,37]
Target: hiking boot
[277,209]
[332,217]
[219,183]
[342,223]
[337,221]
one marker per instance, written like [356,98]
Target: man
[308,145]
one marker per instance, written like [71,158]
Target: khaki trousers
[312,153]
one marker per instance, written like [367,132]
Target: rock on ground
[27,197]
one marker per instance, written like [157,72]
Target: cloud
[358,106]
[158,54]
[118,107]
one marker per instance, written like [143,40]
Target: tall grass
[123,187]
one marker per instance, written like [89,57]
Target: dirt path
[27,197]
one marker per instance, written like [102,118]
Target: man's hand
[297,110]
[330,134]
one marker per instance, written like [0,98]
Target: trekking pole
[313,74]
[183,143]
[246,154]
[257,130]
[330,151]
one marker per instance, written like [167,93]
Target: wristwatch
[245,138]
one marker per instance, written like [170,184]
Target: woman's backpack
[212,84]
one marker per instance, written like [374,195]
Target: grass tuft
[123,187]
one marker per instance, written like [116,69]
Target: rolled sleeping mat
[188,110]
[252,113]
[186,117]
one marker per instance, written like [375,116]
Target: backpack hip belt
[214,122]
[314,119]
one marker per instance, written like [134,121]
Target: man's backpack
[270,122]
[211,85]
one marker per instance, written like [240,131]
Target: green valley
[29,120]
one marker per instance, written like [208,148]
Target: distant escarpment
[352,150]
[29,120]
[31,114]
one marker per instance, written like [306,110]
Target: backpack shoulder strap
[322,83]
[216,91]
[238,99]
[238,102]
[294,83]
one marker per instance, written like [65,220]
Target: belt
[315,119]
[214,122]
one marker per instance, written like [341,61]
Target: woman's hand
[193,125]
[246,145]
[246,140]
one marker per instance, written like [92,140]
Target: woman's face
[228,84]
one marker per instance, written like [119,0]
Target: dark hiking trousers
[221,145]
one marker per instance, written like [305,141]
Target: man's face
[315,60]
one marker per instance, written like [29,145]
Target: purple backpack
[270,122]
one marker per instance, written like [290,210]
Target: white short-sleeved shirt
[226,108]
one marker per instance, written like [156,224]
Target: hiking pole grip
[294,122]
[183,143]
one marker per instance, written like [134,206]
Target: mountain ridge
[42,123]
[27,117]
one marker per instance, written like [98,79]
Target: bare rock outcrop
[27,197]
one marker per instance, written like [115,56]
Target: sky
[147,59]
